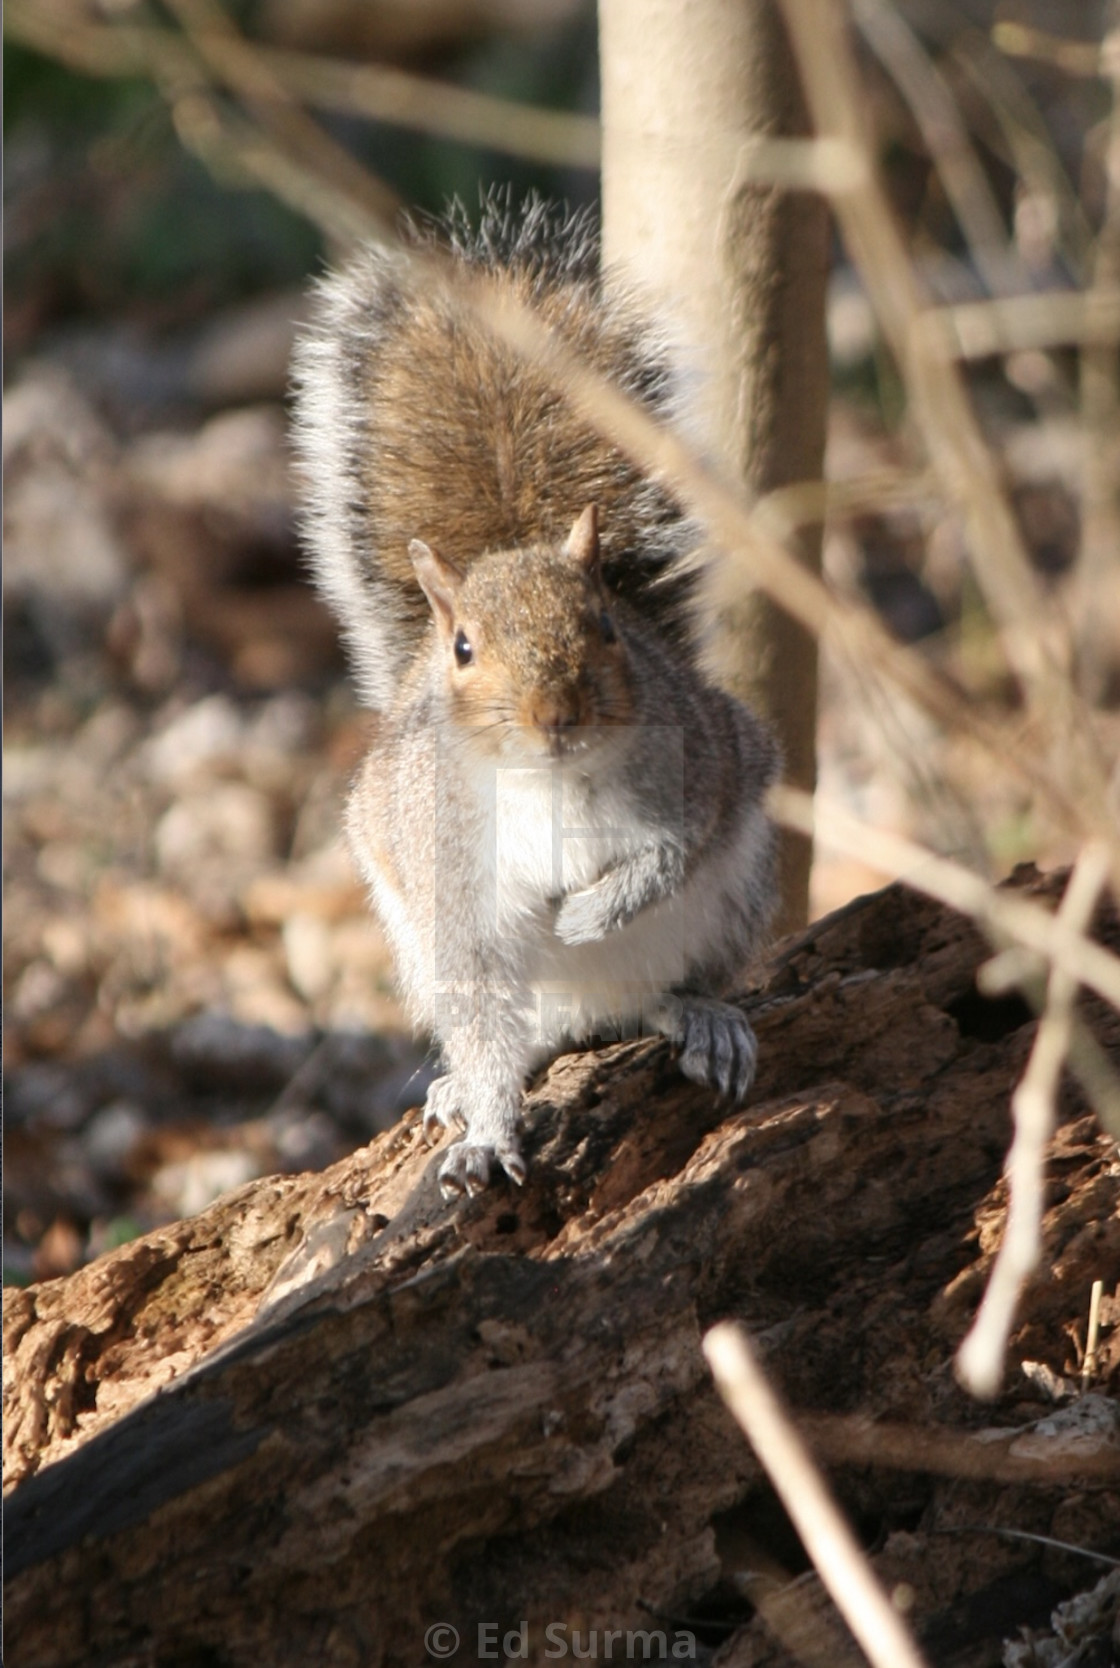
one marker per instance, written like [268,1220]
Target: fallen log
[332,1413]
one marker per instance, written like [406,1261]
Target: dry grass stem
[947,140]
[788,508]
[825,165]
[347,204]
[839,1560]
[1002,916]
[1092,1334]
[1026,140]
[1005,1533]
[228,145]
[980,1358]
[1019,40]
[378,92]
[382,93]
[1032,633]
[1090,1065]
[852,1439]
[749,537]
[1018,969]
[977,329]
[239,65]
[1096,593]
[1022,970]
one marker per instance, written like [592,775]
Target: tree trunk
[332,1411]
[742,270]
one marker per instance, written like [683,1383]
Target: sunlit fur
[527,691]
[562,829]
[413,422]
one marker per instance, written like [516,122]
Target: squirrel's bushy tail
[412,421]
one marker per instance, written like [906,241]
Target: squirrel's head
[533,660]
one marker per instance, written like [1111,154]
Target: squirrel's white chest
[546,834]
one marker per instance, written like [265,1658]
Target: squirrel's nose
[555,713]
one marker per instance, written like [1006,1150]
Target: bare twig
[752,538]
[218,44]
[852,1439]
[1019,40]
[946,137]
[1018,969]
[826,1536]
[346,202]
[973,330]
[379,92]
[227,144]
[1029,147]
[1003,917]
[1092,1334]
[1033,636]
[980,1357]
[1096,603]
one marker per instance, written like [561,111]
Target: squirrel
[560,818]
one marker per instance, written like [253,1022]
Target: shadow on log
[333,1411]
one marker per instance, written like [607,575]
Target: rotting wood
[374,1412]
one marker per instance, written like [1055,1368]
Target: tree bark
[333,1411]
[742,270]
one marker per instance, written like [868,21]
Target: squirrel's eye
[606,626]
[464,654]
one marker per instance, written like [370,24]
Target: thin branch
[1018,969]
[1003,917]
[947,141]
[977,329]
[980,1357]
[218,44]
[1032,634]
[346,203]
[1092,1335]
[1019,40]
[1096,604]
[750,540]
[227,144]
[378,92]
[1029,147]
[829,1541]
[855,1439]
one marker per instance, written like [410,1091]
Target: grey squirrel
[560,818]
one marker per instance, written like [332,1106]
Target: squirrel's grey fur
[399,392]
[560,819]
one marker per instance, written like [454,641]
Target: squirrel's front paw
[718,1047]
[466,1169]
[583,917]
[442,1109]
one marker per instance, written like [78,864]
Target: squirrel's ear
[583,540]
[438,578]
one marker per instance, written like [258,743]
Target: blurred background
[194,993]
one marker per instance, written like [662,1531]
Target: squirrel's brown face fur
[534,661]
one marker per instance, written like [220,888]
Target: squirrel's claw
[466,1169]
[442,1110]
[513,1164]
